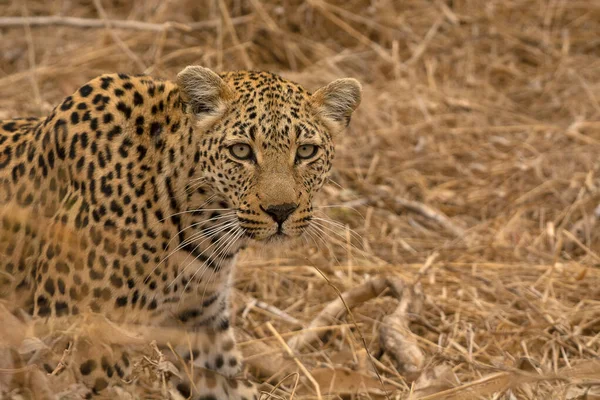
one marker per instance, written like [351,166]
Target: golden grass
[471,172]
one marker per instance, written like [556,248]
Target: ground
[470,177]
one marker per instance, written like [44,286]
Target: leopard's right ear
[203,91]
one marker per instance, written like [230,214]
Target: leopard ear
[205,93]
[336,102]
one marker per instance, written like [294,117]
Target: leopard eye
[241,151]
[306,151]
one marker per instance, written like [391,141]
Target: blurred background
[466,190]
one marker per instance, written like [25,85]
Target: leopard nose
[281,212]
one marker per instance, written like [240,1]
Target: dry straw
[478,141]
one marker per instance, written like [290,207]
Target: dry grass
[477,148]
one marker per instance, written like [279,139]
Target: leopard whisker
[198,256]
[193,186]
[336,184]
[214,230]
[221,216]
[304,237]
[337,224]
[341,238]
[207,233]
[219,243]
[208,200]
[310,235]
[195,182]
[226,227]
[238,233]
[335,232]
[229,216]
[199,179]
[321,235]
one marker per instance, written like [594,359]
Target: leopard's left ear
[336,102]
[205,93]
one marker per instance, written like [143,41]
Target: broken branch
[336,310]
[92,23]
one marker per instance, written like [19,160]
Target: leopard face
[269,142]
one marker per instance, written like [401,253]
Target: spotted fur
[129,200]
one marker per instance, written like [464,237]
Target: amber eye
[241,151]
[306,151]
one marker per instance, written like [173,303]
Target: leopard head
[266,143]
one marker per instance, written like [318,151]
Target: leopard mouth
[265,232]
[277,236]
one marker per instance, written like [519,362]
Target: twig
[325,329]
[420,49]
[341,306]
[573,132]
[296,360]
[234,36]
[402,348]
[426,267]
[271,393]
[362,19]
[431,213]
[92,23]
[336,310]
[434,380]
[500,381]
[414,206]
[265,359]
[31,57]
[589,251]
[116,37]
[496,382]
[319,5]
[253,302]
[260,10]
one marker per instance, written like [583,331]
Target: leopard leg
[213,363]
[97,366]
[209,385]
[101,368]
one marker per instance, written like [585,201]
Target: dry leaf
[434,380]
[343,381]
[268,361]
[477,389]
[589,369]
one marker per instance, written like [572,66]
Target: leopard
[134,196]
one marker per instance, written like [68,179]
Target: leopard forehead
[271,102]
[268,110]
[268,86]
